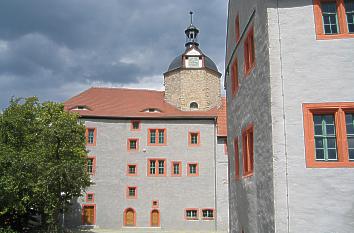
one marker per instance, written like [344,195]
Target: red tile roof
[131,103]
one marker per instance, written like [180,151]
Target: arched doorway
[129,217]
[155,218]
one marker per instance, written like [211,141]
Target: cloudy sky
[55,49]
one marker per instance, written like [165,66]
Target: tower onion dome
[192,43]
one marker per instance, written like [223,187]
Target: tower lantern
[191,34]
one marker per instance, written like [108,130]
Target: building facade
[158,159]
[289,77]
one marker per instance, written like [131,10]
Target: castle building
[158,159]
[290,101]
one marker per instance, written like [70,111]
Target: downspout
[284,121]
[215,176]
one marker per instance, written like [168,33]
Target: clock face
[193,62]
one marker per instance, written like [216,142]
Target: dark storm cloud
[53,49]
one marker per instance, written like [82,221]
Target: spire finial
[191,13]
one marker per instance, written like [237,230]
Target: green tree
[42,162]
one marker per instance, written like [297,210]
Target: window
[249,51]
[237,28]
[334,18]
[193,105]
[237,159]
[135,125]
[155,204]
[132,192]
[247,150]
[131,170]
[133,144]
[194,139]
[208,213]
[156,137]
[90,197]
[176,168]
[156,167]
[192,169]
[234,78]
[90,136]
[91,165]
[329,134]
[349,11]
[191,214]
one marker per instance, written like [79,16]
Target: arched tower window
[193,105]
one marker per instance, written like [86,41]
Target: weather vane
[191,13]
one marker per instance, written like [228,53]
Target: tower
[192,81]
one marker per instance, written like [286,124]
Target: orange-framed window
[249,51]
[237,159]
[132,192]
[132,170]
[156,167]
[155,204]
[192,169]
[90,136]
[90,197]
[208,214]
[194,138]
[176,168]
[157,137]
[334,19]
[91,165]
[191,214]
[237,28]
[247,150]
[234,78]
[329,134]
[135,125]
[88,214]
[133,144]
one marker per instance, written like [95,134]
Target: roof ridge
[125,89]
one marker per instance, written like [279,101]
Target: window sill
[316,164]
[210,219]
[336,36]
[157,144]
[192,219]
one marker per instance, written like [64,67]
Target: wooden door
[155,218]
[89,213]
[130,218]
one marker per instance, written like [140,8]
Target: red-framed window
[91,165]
[247,150]
[157,137]
[192,169]
[132,192]
[249,51]
[237,159]
[191,214]
[234,78]
[194,138]
[133,144]
[156,167]
[334,19]
[208,214]
[329,134]
[90,136]
[135,125]
[132,170]
[90,197]
[237,28]
[176,168]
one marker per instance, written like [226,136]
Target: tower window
[194,105]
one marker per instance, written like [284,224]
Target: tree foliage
[42,161]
